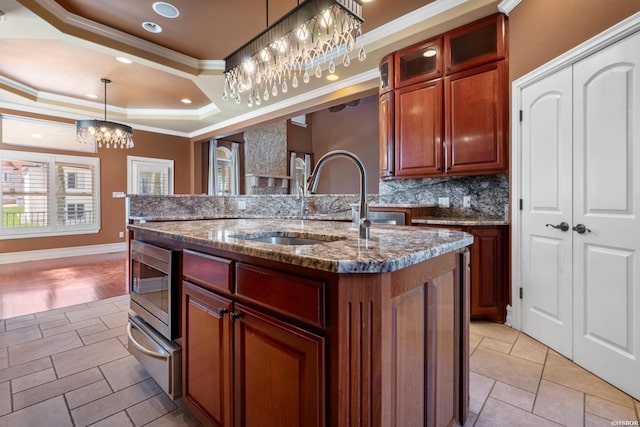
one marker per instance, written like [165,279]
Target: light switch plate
[466,202]
[443,202]
[242,205]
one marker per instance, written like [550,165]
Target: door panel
[606,199]
[546,193]
[607,306]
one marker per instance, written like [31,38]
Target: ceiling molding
[18,88]
[415,17]
[295,103]
[506,6]
[87,30]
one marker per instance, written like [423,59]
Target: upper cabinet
[418,63]
[443,105]
[475,44]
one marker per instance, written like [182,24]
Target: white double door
[580,165]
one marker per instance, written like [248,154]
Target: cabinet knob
[222,311]
[234,315]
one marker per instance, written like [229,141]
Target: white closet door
[607,201]
[546,177]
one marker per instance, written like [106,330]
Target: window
[149,176]
[49,194]
[223,171]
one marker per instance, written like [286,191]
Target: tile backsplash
[488,197]
[489,194]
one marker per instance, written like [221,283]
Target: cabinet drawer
[294,296]
[207,270]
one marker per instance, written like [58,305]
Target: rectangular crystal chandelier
[315,33]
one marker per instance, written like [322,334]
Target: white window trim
[133,164]
[53,229]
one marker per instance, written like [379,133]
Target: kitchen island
[332,330]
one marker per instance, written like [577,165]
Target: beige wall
[113,178]
[354,129]
[540,30]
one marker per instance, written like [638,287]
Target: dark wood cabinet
[475,120]
[477,43]
[386,134]
[450,122]
[279,372]
[418,63]
[206,349]
[418,122]
[241,366]
[489,272]
[386,74]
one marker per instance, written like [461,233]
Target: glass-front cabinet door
[418,63]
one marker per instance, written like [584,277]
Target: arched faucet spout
[312,185]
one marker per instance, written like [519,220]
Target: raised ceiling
[53,53]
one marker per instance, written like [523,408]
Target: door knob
[563,226]
[581,229]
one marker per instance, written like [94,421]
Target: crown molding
[506,6]
[367,77]
[83,28]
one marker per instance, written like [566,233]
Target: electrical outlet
[242,205]
[443,202]
[466,202]
[121,234]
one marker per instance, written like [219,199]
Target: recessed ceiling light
[165,9]
[36,135]
[185,101]
[152,27]
[91,95]
[332,77]
[123,60]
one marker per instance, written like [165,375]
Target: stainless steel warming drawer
[159,356]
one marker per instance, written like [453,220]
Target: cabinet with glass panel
[447,115]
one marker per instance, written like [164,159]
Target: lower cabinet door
[279,372]
[489,270]
[206,349]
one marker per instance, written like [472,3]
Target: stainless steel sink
[287,239]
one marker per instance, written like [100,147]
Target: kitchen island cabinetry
[346,332]
[489,270]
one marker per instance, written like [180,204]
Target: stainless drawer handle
[137,345]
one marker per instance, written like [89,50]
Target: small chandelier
[104,133]
[294,48]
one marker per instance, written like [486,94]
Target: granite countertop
[459,221]
[389,248]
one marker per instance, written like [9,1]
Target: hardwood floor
[35,286]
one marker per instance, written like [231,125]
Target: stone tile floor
[517,381]
[70,367]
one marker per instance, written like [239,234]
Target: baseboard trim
[11,257]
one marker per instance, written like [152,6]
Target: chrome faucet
[312,185]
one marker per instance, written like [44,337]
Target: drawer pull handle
[139,346]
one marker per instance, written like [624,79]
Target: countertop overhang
[388,249]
